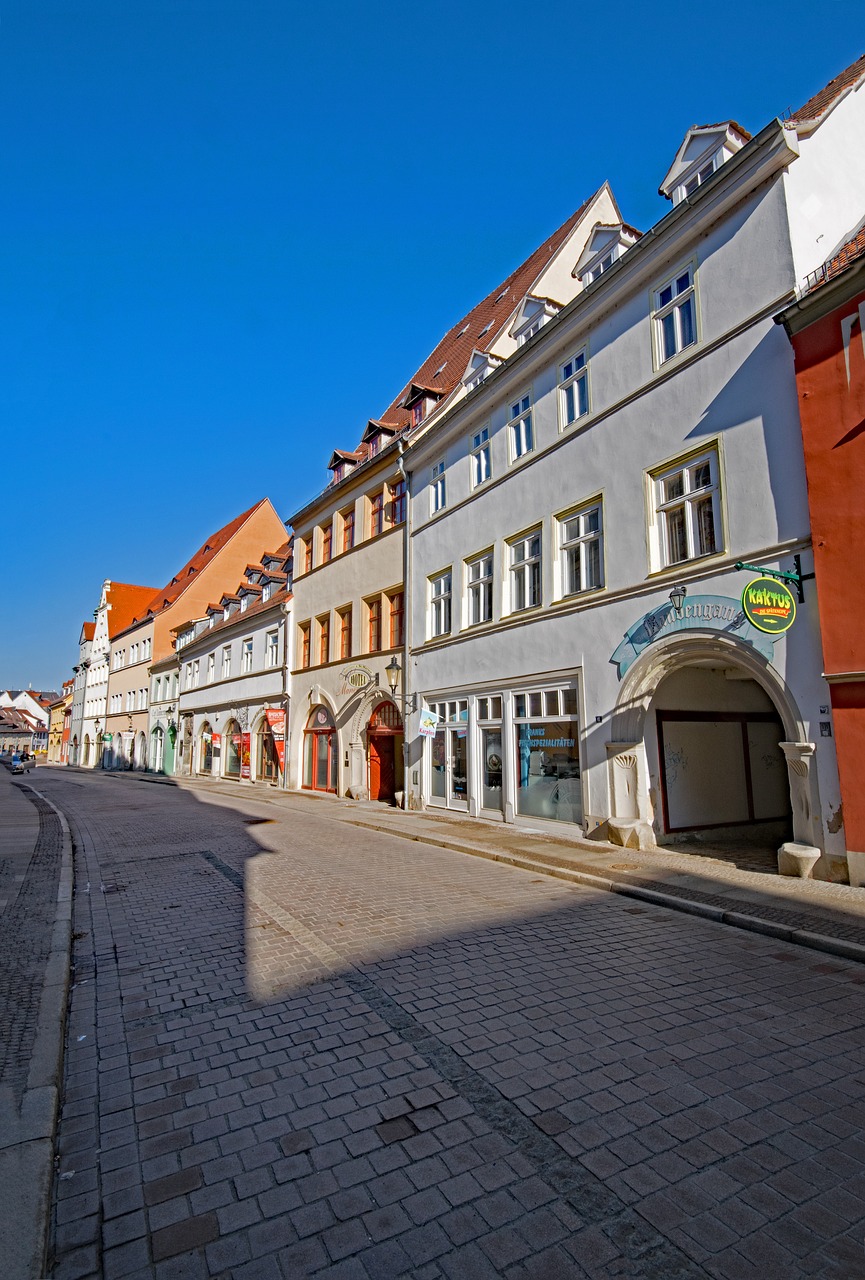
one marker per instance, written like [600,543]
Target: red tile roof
[88,630]
[127,602]
[456,347]
[178,584]
[821,102]
[838,263]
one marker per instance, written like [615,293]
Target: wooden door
[382,779]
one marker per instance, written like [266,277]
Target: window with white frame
[480,455]
[675,314]
[439,495]
[265,592]
[687,500]
[271,648]
[226,662]
[582,560]
[211,668]
[246,657]
[440,604]
[525,569]
[157,689]
[574,388]
[522,434]
[244,603]
[196,673]
[479,583]
[130,700]
[187,683]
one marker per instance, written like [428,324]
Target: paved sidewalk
[35,902]
[826,917]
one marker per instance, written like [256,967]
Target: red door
[382,778]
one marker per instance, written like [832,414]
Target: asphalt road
[300,1047]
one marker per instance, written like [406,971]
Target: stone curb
[737,919]
[27,1144]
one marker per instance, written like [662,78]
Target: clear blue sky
[230,230]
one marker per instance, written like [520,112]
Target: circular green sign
[769,605]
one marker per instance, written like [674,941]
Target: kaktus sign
[769,605]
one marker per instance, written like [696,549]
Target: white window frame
[575,548]
[211,668]
[196,673]
[438,490]
[690,501]
[526,584]
[226,662]
[668,313]
[440,604]
[574,388]
[271,652]
[479,589]
[480,457]
[246,657]
[521,426]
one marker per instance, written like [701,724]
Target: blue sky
[230,230]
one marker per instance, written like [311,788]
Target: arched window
[384,717]
[320,751]
[157,749]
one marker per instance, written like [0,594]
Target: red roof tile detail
[127,602]
[838,263]
[464,337]
[817,106]
[88,630]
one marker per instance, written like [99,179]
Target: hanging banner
[217,744]
[276,724]
[245,756]
[769,605]
[428,722]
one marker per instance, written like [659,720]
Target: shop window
[320,751]
[492,751]
[546,729]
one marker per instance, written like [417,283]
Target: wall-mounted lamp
[677,597]
[393,671]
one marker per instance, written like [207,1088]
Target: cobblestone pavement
[301,1048]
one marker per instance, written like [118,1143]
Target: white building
[575,521]
[233,696]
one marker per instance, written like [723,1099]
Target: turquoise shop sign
[698,613]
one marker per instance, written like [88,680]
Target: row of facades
[519,595]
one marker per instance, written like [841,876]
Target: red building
[827,329]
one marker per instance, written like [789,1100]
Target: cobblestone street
[298,1046]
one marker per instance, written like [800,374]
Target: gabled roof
[345,455]
[445,366]
[88,630]
[375,428]
[203,556]
[700,142]
[127,603]
[812,112]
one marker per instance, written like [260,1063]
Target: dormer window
[226,613]
[604,247]
[704,150]
[338,472]
[531,317]
[244,603]
[265,591]
[374,445]
[417,413]
[480,366]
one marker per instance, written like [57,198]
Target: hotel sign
[356,679]
[698,613]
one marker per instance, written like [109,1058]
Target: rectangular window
[211,668]
[397,620]
[526,572]
[196,673]
[304,644]
[687,508]
[130,700]
[480,456]
[271,648]
[374,612]
[440,604]
[376,515]
[574,389]
[581,535]
[675,315]
[348,529]
[522,435]
[326,543]
[438,487]
[345,633]
[226,662]
[305,555]
[397,507]
[479,576]
[246,657]
[157,689]
[324,639]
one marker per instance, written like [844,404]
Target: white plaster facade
[532,671]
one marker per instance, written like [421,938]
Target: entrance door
[450,761]
[382,771]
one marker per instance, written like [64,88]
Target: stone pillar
[804,794]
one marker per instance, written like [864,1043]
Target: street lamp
[677,597]
[393,671]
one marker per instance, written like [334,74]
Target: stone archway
[630,814]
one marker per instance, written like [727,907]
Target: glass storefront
[320,751]
[547,736]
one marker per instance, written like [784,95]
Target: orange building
[214,568]
[827,329]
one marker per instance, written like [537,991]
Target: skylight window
[503,294]
[440,370]
[485,329]
[463,330]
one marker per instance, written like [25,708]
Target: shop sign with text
[698,613]
[276,723]
[769,605]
